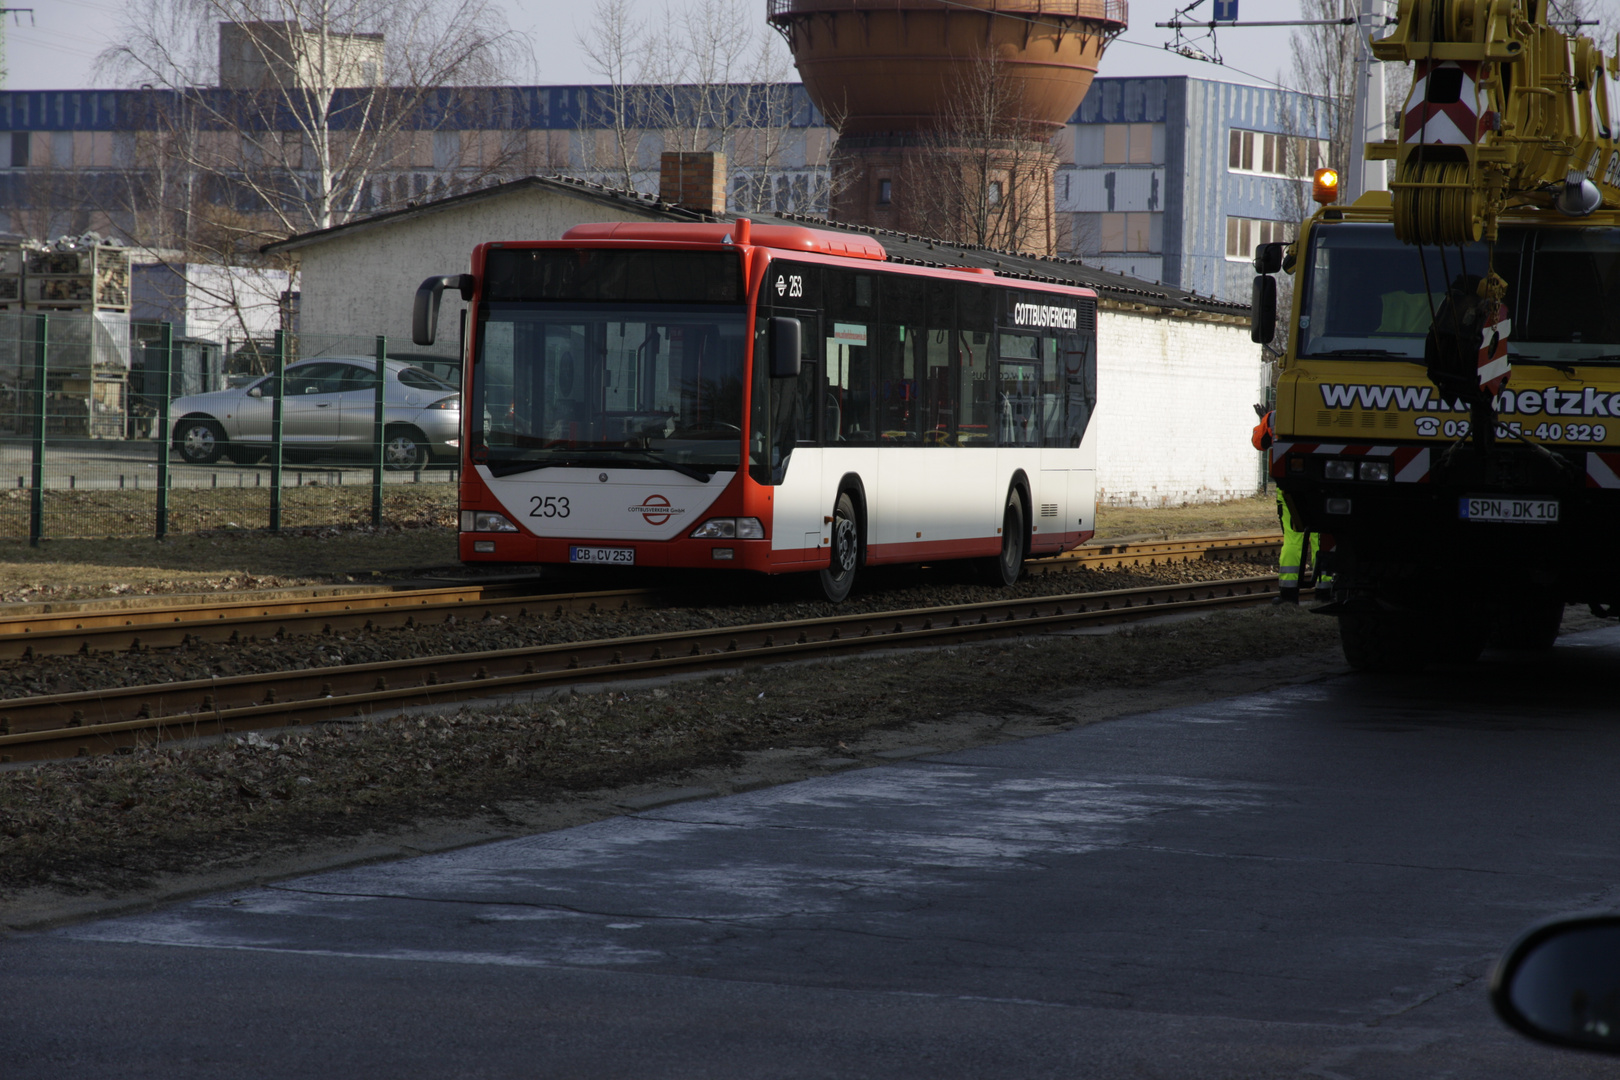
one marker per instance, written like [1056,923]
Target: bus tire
[844,553]
[1005,568]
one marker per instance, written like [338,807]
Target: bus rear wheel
[1004,569]
[844,555]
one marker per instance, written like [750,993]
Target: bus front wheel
[844,554]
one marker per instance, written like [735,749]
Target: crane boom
[1505,111]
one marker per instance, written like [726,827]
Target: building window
[1270,154]
[19,148]
[885,191]
[1125,232]
[993,195]
[1128,144]
[1243,235]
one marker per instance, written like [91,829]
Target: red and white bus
[766,397]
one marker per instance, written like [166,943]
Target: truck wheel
[1528,625]
[1376,641]
[844,557]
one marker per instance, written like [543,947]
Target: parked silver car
[328,410]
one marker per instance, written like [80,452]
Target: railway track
[68,628]
[89,722]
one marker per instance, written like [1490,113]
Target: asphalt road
[1312,882]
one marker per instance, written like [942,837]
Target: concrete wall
[1175,406]
[363,283]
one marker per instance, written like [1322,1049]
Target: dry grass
[218,541]
[1258,514]
[327,536]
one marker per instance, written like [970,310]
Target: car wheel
[200,441]
[844,556]
[404,450]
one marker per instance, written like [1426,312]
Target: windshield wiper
[1364,352]
[647,460]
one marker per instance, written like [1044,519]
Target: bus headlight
[730,528]
[485,521]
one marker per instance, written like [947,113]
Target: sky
[55,48]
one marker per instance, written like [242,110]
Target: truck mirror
[1263,310]
[425,313]
[786,343]
[1559,983]
[1268,258]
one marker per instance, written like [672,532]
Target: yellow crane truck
[1448,404]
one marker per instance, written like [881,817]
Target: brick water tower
[945,109]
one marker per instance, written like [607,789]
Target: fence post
[377,434]
[278,382]
[36,502]
[166,350]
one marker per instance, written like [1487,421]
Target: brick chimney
[694,181]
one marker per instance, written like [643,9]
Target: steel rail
[95,628]
[120,631]
[86,722]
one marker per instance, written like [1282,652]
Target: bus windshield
[1367,294]
[628,385]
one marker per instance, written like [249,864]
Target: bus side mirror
[1263,310]
[425,314]
[786,343]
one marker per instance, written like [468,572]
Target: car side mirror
[256,392]
[1263,310]
[1560,983]
[786,344]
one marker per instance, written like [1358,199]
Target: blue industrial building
[1169,179]
[1176,179]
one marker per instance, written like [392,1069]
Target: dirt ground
[418,532]
[100,834]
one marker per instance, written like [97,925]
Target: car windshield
[639,385]
[1367,294]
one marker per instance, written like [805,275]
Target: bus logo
[655,510]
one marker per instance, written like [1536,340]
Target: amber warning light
[1325,186]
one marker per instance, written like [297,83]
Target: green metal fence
[104,431]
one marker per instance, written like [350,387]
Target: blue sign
[1226,10]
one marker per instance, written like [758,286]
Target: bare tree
[1325,72]
[983,174]
[273,117]
[710,78]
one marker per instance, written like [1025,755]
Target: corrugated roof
[902,248]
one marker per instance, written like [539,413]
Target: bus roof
[781,237]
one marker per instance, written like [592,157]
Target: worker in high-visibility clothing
[1293,545]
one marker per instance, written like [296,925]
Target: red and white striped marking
[1602,470]
[1452,123]
[1493,358]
